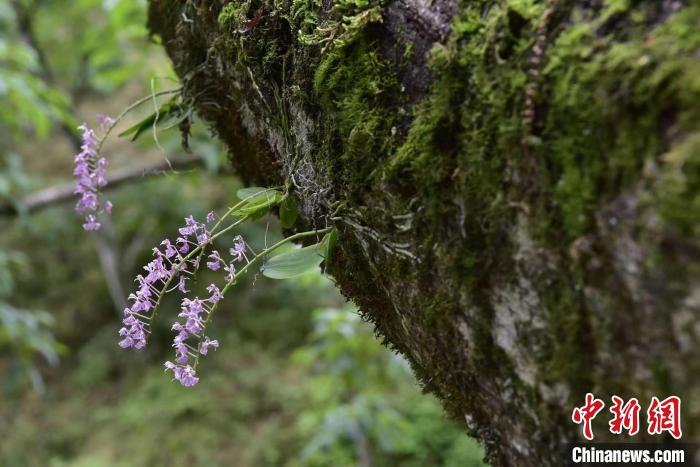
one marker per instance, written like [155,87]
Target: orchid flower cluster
[90,166]
[175,263]
[90,171]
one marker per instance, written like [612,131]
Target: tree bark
[516,186]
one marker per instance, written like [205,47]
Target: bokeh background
[299,379]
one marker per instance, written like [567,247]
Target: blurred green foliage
[28,104]
[289,386]
[341,399]
[363,405]
[53,56]
[24,333]
[39,92]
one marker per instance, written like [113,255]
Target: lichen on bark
[516,185]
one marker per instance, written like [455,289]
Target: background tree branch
[60,194]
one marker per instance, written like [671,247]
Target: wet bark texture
[516,186]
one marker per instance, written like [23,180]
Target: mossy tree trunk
[516,185]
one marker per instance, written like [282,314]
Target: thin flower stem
[119,118]
[176,268]
[200,249]
[239,205]
[245,268]
[251,250]
[218,223]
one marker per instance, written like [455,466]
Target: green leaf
[294,263]
[289,211]
[170,112]
[139,127]
[252,192]
[328,243]
[259,205]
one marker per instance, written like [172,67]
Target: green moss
[599,88]
[408,51]
[608,92]
[256,37]
[678,196]
[287,43]
[607,95]
[358,87]
[461,141]
[234,14]
[612,93]
[607,98]
[568,354]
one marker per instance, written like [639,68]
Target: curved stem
[241,203]
[176,268]
[202,248]
[245,268]
[131,107]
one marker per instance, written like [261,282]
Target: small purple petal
[181,285]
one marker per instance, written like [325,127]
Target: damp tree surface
[515,185]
